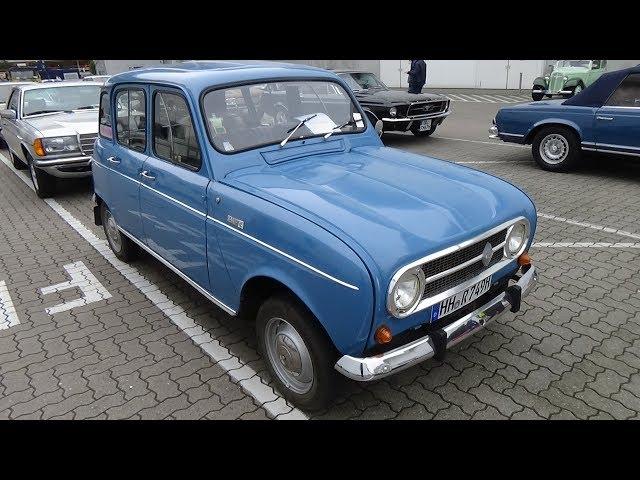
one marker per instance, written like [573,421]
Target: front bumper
[405,123]
[65,167]
[378,366]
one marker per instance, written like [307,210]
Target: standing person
[417,76]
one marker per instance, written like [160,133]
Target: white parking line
[8,315]
[453,97]
[240,373]
[593,226]
[496,143]
[485,98]
[585,245]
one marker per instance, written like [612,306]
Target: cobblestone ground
[573,351]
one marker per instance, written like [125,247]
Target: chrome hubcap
[113,234]
[578,89]
[554,148]
[289,355]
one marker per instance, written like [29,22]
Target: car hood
[389,205]
[59,124]
[394,97]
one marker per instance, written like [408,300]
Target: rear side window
[104,117]
[131,118]
[627,94]
[174,138]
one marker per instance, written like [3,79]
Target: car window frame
[258,81]
[605,103]
[152,118]
[106,92]
[128,89]
[14,91]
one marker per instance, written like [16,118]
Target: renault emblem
[487,253]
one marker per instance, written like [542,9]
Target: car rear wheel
[556,148]
[297,352]
[43,183]
[119,243]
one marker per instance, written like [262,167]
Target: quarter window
[627,94]
[131,119]
[174,138]
[104,117]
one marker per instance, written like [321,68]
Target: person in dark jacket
[417,76]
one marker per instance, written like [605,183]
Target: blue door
[127,155]
[618,121]
[173,184]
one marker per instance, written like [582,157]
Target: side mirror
[379,125]
[8,114]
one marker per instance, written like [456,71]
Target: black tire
[44,184]
[123,247]
[415,129]
[537,96]
[578,87]
[566,138]
[17,163]
[321,351]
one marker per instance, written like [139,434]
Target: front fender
[572,82]
[540,82]
[318,267]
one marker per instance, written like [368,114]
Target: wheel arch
[551,123]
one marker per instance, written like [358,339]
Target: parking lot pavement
[573,351]
[481,95]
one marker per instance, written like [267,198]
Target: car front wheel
[577,89]
[537,96]
[17,163]
[556,148]
[297,352]
[43,183]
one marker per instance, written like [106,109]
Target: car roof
[67,83]
[202,74]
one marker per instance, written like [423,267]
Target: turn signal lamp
[38,148]
[524,259]
[383,335]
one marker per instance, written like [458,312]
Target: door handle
[604,118]
[145,174]
[113,160]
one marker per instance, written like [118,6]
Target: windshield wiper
[334,129]
[38,112]
[294,129]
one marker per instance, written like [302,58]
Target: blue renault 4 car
[266,188]
[605,117]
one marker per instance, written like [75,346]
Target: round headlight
[516,240]
[393,111]
[406,292]
[565,78]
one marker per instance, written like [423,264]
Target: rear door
[618,121]
[174,180]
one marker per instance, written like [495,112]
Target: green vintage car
[567,78]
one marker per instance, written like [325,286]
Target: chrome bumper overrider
[417,117]
[493,131]
[378,366]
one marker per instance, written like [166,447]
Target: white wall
[111,67]
[467,73]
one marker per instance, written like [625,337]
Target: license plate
[425,125]
[460,299]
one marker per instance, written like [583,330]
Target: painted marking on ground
[8,314]
[81,278]
[498,144]
[593,226]
[238,371]
[484,98]
[585,245]
[481,162]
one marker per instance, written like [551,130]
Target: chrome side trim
[175,270]
[198,212]
[617,152]
[616,146]
[588,143]
[613,107]
[378,366]
[512,134]
[284,254]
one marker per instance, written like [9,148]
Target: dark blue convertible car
[604,117]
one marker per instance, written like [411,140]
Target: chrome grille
[453,262]
[86,143]
[555,82]
[426,108]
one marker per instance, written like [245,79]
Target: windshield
[55,99]
[360,80]
[248,116]
[573,63]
